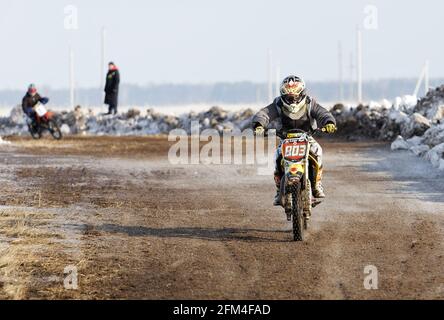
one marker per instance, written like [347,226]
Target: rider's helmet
[294,97]
[32,90]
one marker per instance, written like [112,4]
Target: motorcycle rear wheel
[54,130]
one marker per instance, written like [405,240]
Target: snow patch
[3,142]
[400,144]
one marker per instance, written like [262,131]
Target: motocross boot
[318,189]
[33,124]
[277,197]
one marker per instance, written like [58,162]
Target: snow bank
[415,125]
[3,142]
[132,122]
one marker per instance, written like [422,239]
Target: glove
[44,100]
[259,131]
[330,128]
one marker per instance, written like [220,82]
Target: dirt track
[136,227]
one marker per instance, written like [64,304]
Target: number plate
[41,110]
[294,150]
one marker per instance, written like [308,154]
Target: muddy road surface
[113,214]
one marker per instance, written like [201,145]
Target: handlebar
[283,134]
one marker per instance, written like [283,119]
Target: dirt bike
[44,120]
[299,168]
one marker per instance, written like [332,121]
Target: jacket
[112,87]
[317,117]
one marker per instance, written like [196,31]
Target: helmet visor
[292,99]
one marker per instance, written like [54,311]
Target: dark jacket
[29,101]
[317,117]
[112,87]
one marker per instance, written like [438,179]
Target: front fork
[289,180]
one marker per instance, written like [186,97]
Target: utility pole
[270,75]
[424,76]
[352,74]
[278,79]
[71,77]
[359,64]
[340,73]
[427,77]
[102,56]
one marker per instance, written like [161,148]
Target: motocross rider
[30,100]
[294,109]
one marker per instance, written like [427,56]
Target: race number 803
[250,309]
[296,150]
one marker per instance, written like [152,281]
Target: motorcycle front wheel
[297,214]
[35,132]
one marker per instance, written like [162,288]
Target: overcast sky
[204,41]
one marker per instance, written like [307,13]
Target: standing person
[112,88]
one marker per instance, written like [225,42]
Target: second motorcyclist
[30,100]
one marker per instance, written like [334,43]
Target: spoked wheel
[308,200]
[298,214]
[35,131]
[54,130]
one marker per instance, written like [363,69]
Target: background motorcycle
[44,120]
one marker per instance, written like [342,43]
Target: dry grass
[14,283]
[24,239]
[22,229]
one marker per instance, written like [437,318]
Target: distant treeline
[229,93]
